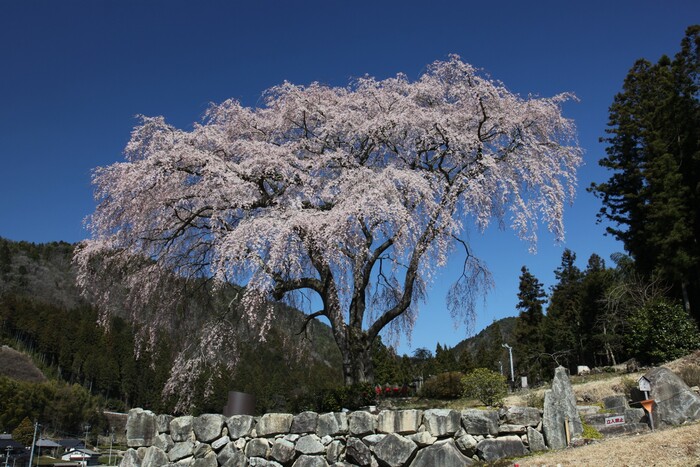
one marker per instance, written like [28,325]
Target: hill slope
[18,366]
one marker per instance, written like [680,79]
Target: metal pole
[31,452]
[87,430]
[111,440]
[510,355]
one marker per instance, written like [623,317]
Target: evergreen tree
[24,433]
[528,328]
[653,151]
[599,344]
[563,325]
[490,353]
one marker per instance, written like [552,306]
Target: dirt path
[672,447]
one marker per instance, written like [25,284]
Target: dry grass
[670,447]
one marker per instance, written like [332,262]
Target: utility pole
[510,354]
[87,430]
[31,452]
[111,440]
[7,456]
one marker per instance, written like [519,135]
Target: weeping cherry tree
[346,200]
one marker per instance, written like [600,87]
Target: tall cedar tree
[563,329]
[653,150]
[528,328]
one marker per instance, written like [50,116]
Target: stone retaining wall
[394,438]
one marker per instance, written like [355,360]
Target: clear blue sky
[73,74]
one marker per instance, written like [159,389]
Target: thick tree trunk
[357,359]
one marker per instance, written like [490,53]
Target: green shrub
[660,332]
[486,386]
[589,432]
[444,386]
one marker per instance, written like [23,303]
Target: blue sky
[73,74]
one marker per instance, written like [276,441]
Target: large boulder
[493,449]
[310,461]
[181,428]
[140,428]
[527,416]
[230,455]
[399,421]
[240,426]
[676,403]
[357,452]
[441,422]
[310,445]
[163,423]
[443,454]
[560,409]
[330,424]
[362,423]
[535,440]
[257,447]
[207,461]
[181,450]
[274,423]
[480,422]
[207,427]
[304,422]
[130,459]
[163,441]
[394,450]
[283,451]
[335,451]
[155,457]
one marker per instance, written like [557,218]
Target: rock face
[497,448]
[181,428]
[441,422]
[527,416]
[240,426]
[411,438]
[560,409]
[394,450]
[140,428]
[399,421]
[362,423]
[208,427]
[154,457]
[676,403]
[480,422]
[443,454]
[274,423]
[535,440]
[305,422]
[330,424]
[357,452]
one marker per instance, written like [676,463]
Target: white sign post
[648,404]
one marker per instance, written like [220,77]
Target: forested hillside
[42,314]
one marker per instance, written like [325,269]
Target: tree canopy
[653,151]
[343,198]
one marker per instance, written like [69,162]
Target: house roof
[71,443]
[47,443]
[84,451]
[9,443]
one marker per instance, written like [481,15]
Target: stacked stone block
[391,438]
